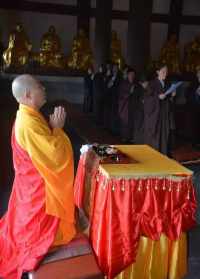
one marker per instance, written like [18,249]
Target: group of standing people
[137,109]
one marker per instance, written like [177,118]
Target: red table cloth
[123,208]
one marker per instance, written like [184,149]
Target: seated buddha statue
[1,51]
[80,57]
[192,55]
[170,54]
[50,50]
[188,57]
[19,47]
[116,50]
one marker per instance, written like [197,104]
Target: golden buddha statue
[170,54]
[1,51]
[192,55]
[50,50]
[188,57]
[116,50]
[19,47]
[80,57]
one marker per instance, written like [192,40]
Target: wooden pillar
[103,30]
[83,18]
[139,26]
[175,13]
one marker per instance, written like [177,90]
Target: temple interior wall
[36,24]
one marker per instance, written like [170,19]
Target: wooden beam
[160,18]
[103,31]
[50,8]
[83,17]
[175,13]
[190,20]
[138,36]
[74,10]
[40,7]
[187,20]
[122,15]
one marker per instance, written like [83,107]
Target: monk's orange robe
[41,207]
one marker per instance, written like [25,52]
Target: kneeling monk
[41,206]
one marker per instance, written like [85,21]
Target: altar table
[139,213]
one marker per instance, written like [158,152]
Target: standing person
[99,89]
[157,112]
[108,68]
[136,111]
[197,89]
[88,91]
[125,91]
[125,72]
[193,91]
[193,108]
[107,97]
[40,212]
[115,85]
[111,100]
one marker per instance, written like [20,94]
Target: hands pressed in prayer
[174,94]
[57,119]
[162,96]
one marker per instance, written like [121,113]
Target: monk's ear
[27,94]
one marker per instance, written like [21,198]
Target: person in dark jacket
[88,91]
[125,92]
[136,111]
[111,118]
[99,89]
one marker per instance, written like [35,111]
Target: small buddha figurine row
[81,54]
[170,55]
[50,56]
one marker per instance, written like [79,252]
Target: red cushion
[79,246]
[72,261]
[83,267]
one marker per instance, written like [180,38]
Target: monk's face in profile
[162,73]
[37,94]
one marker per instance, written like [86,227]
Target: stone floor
[81,130]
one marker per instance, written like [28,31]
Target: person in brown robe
[158,118]
[125,92]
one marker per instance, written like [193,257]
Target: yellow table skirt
[163,259]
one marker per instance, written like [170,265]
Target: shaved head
[29,91]
[21,85]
